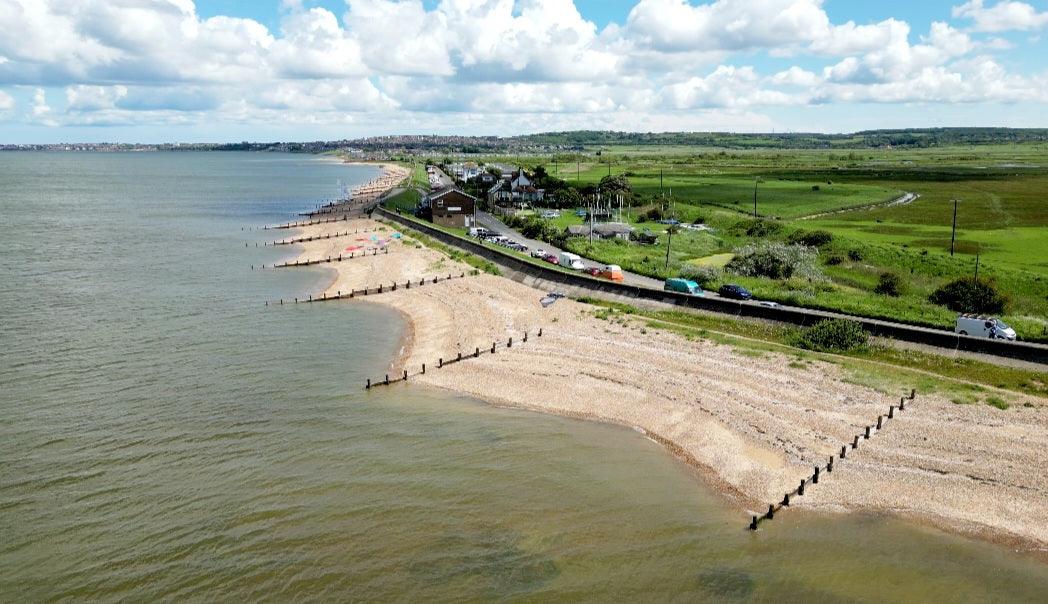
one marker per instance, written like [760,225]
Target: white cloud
[7,102]
[1002,16]
[159,61]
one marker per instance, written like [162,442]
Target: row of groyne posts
[295,225]
[315,237]
[381,289]
[868,431]
[339,258]
[442,362]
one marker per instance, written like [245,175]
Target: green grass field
[1002,217]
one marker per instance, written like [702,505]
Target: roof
[438,194]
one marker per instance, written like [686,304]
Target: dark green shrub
[763,228]
[815,187]
[855,255]
[969,295]
[811,238]
[654,214]
[890,284]
[834,260]
[833,335]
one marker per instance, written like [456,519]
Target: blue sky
[216,70]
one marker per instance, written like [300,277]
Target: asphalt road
[492,223]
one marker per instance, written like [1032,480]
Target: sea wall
[578,285]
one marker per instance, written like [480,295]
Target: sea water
[165,435]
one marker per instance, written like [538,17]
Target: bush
[811,238]
[889,284]
[815,187]
[703,275]
[968,295]
[775,261]
[833,335]
[763,228]
[834,260]
[654,214]
[855,255]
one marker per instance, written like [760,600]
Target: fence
[576,284]
[339,258]
[441,362]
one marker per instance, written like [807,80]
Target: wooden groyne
[329,259]
[813,479]
[316,237]
[372,291]
[451,360]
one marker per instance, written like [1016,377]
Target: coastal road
[492,223]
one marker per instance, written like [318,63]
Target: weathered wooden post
[866,435]
[902,404]
[753,524]
[510,343]
[476,353]
[460,356]
[368,387]
[786,500]
[891,411]
[913,393]
[440,363]
[423,369]
[405,375]
[540,332]
[492,348]
[844,452]
[525,336]
[815,476]
[771,512]
[800,489]
[880,418]
[387,379]
[829,466]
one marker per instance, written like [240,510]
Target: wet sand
[753,425]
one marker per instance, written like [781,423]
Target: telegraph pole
[755,180]
[976,268]
[953,234]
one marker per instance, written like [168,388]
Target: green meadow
[1002,217]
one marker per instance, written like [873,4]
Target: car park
[734,292]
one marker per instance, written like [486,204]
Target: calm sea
[165,436]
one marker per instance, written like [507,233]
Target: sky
[267,70]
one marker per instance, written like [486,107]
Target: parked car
[539,253]
[613,272]
[683,286]
[983,327]
[592,270]
[735,292]
[572,261]
[552,259]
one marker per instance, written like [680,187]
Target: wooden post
[423,369]
[525,336]
[855,443]
[815,476]
[786,500]
[800,489]
[753,524]
[492,348]
[902,404]
[891,411]
[771,512]
[866,435]
[440,363]
[405,375]
[844,452]
[460,356]
[387,379]
[476,353]
[510,344]
[540,332]
[880,418]
[913,393]
[829,466]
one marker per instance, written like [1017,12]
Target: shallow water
[164,435]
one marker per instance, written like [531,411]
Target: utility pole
[755,180]
[953,234]
[976,267]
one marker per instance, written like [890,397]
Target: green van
[683,286]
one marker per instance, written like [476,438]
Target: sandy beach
[749,422]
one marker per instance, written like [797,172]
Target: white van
[983,327]
[572,261]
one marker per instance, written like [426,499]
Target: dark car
[735,292]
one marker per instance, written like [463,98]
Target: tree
[569,198]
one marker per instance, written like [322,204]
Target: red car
[592,270]
[552,259]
